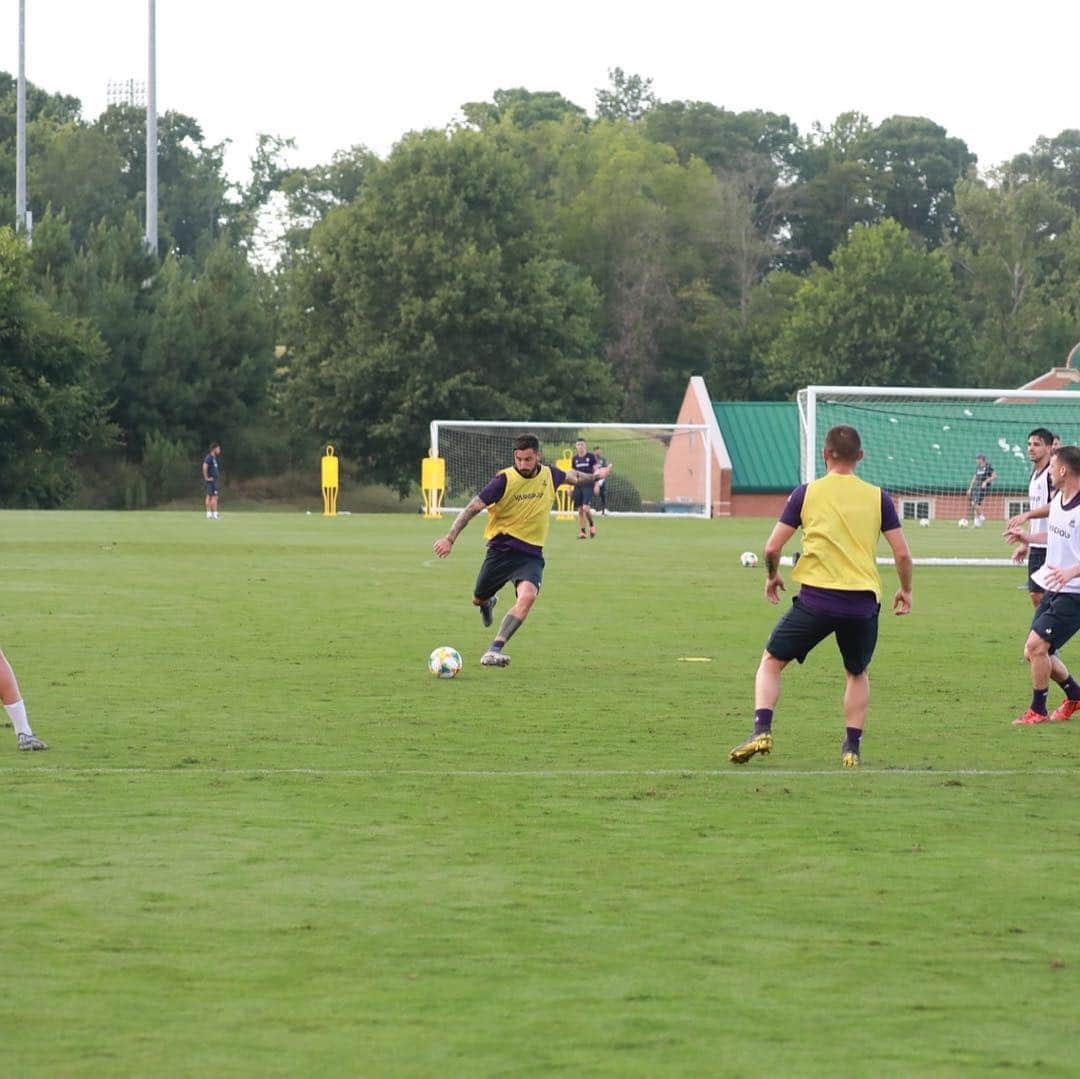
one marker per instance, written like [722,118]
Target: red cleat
[1030,718]
[1065,710]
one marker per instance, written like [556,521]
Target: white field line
[757,772]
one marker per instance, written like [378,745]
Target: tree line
[530,260]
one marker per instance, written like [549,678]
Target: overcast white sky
[331,73]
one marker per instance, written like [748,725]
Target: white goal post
[656,469]
[921,444]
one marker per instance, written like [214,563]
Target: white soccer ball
[748,559]
[924,522]
[445,662]
[962,523]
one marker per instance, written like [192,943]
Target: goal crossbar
[656,468]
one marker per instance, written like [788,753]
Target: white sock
[17,714]
[209,515]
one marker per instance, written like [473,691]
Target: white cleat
[31,742]
[494,659]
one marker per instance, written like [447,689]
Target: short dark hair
[215,446]
[527,442]
[1044,434]
[1069,456]
[843,443]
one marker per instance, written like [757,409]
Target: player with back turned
[841,517]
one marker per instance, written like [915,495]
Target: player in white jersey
[1040,488]
[1057,618]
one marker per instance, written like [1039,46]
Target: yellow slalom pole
[564,500]
[330,484]
[433,484]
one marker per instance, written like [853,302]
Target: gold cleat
[756,743]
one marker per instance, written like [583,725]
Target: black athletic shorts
[1057,618]
[502,566]
[211,488]
[801,630]
[1036,561]
[583,493]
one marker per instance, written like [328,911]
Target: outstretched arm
[443,546]
[904,567]
[575,477]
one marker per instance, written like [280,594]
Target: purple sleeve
[493,490]
[792,515]
[558,476]
[889,519]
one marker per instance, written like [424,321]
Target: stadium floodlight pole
[151,134]
[20,127]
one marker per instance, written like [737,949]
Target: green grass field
[266,842]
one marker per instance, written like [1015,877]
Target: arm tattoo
[575,477]
[464,517]
[772,565]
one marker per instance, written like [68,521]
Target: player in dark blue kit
[585,463]
[210,472]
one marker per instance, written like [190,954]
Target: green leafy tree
[75,169]
[833,192]
[208,357]
[916,165]
[887,314]
[724,140]
[436,292]
[523,108]
[1010,272]
[49,408]
[627,97]
[1053,161]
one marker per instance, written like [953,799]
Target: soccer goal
[921,444]
[655,469]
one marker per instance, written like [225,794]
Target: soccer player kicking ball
[518,501]
[1057,618]
[841,517]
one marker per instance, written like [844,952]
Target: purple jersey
[586,463]
[492,491]
[835,601]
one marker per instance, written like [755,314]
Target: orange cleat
[1065,710]
[1030,718]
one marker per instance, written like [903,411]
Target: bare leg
[9,687]
[856,699]
[767,681]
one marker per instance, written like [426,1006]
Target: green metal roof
[909,446]
[762,439]
[931,445]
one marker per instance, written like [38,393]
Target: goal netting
[921,444]
[655,469]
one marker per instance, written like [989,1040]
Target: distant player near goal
[518,501]
[584,461]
